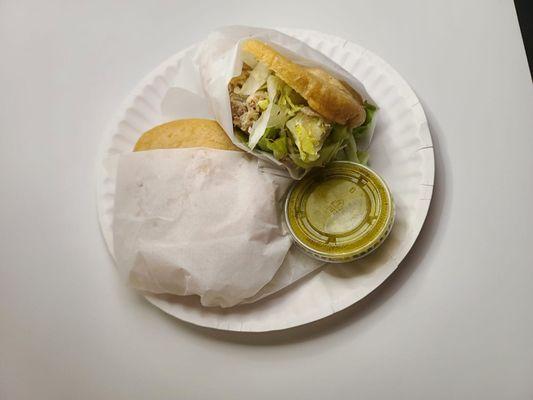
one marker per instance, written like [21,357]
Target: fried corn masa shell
[184,133]
[325,94]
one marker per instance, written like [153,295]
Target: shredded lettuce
[277,146]
[269,135]
[272,116]
[285,131]
[363,157]
[341,155]
[258,128]
[273,85]
[278,117]
[351,153]
[290,101]
[258,77]
[333,143]
[361,130]
[263,104]
[309,134]
[351,149]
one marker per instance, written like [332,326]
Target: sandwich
[304,117]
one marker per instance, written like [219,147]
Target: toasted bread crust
[325,94]
[185,133]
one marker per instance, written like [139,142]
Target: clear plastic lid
[339,213]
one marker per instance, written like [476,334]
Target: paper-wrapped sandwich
[187,223]
[303,116]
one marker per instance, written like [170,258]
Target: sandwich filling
[271,116]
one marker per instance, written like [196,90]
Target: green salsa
[340,213]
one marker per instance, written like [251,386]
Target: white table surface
[454,322]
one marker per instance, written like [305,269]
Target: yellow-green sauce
[340,213]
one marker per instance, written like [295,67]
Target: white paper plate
[401,152]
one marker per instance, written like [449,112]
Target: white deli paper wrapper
[204,222]
[219,60]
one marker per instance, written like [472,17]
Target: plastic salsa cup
[339,213]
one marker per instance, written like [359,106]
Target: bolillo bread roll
[184,133]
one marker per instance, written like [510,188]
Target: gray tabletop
[454,321]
